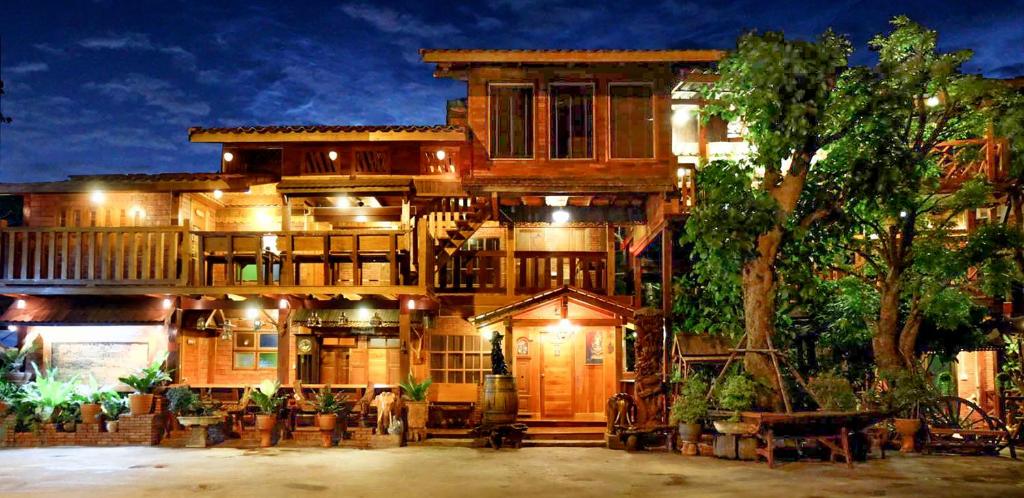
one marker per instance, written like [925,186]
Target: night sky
[107,86]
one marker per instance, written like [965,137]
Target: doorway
[556,376]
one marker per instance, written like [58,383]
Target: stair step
[564,443]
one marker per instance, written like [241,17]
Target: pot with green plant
[144,382]
[690,408]
[49,395]
[90,397]
[909,393]
[194,413]
[67,416]
[415,394]
[113,408]
[330,407]
[737,393]
[9,394]
[12,362]
[833,393]
[266,399]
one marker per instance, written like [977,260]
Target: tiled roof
[603,302]
[182,182]
[105,310]
[276,129]
[543,185]
[154,177]
[567,55]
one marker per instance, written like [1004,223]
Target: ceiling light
[20,304]
[228,157]
[343,202]
[166,304]
[410,304]
[361,218]
[560,216]
[441,154]
[282,303]
[217,194]
[137,211]
[252,313]
[556,200]
[333,155]
[97,197]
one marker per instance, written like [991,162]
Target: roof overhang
[265,134]
[488,56]
[343,185]
[164,182]
[87,311]
[598,301]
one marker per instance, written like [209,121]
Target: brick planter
[142,430]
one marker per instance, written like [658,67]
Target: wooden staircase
[541,433]
[452,221]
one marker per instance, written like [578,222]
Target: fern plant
[327,402]
[113,407]
[416,391]
[93,392]
[48,394]
[148,378]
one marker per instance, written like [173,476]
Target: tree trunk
[884,341]
[759,314]
[908,337]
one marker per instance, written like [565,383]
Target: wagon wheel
[951,412]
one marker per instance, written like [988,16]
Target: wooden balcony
[987,158]
[532,272]
[172,260]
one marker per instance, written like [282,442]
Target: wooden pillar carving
[649,389]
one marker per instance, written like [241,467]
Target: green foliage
[183,402]
[93,392]
[691,405]
[908,394]
[114,406]
[149,377]
[9,391]
[834,392]
[415,391]
[328,402]
[12,359]
[737,393]
[49,395]
[265,397]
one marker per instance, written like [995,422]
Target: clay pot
[91,413]
[266,424]
[112,426]
[689,433]
[140,404]
[327,422]
[907,429]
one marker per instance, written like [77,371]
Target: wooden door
[525,368]
[556,377]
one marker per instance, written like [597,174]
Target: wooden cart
[957,425]
[831,429]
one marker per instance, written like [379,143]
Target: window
[511,126]
[255,350]
[632,121]
[459,359]
[572,121]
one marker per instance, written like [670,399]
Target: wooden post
[405,338]
[666,295]
[510,260]
[610,263]
[284,359]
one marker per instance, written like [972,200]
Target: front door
[556,377]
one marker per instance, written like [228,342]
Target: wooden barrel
[501,400]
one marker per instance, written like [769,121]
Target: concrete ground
[466,472]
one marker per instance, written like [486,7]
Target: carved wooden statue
[649,389]
[385,403]
[498,365]
[620,412]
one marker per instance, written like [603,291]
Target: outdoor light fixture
[487,334]
[441,154]
[12,328]
[343,202]
[217,194]
[282,303]
[932,101]
[20,304]
[137,211]
[166,303]
[410,304]
[333,155]
[361,218]
[560,216]
[252,313]
[228,157]
[556,200]
[97,197]
[364,313]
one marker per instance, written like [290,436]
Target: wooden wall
[117,209]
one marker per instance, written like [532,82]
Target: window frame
[533,122]
[255,350]
[593,119]
[483,354]
[654,119]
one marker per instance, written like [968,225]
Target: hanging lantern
[376,321]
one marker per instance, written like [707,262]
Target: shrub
[833,392]
[149,377]
[691,405]
[738,393]
[415,391]
[12,359]
[908,394]
[182,402]
[114,406]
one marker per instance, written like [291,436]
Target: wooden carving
[649,389]
[385,402]
[498,365]
[416,345]
[620,412]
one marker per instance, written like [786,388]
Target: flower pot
[417,418]
[112,426]
[18,378]
[737,428]
[68,426]
[91,413]
[327,422]
[199,429]
[689,433]
[140,404]
[266,424]
[907,429]
[3,408]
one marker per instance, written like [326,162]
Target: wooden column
[666,296]
[284,359]
[510,260]
[610,264]
[649,390]
[404,336]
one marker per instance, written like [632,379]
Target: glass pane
[437,360]
[268,341]
[437,375]
[455,343]
[393,343]
[245,340]
[455,377]
[378,342]
[245,360]
[572,121]
[511,115]
[486,362]
[268,360]
[249,273]
[454,361]
[472,377]
[473,362]
[437,342]
[473,343]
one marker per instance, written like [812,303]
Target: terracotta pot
[908,429]
[266,424]
[417,414]
[689,433]
[68,426]
[327,422]
[112,426]
[91,413]
[140,404]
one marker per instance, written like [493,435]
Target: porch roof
[335,185]
[563,56]
[596,300]
[328,133]
[65,310]
[157,182]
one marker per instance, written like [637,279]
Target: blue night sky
[109,86]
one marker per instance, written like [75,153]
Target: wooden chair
[304,409]
[237,412]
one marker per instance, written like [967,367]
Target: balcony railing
[533,271]
[987,158]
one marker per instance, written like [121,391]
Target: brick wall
[141,430]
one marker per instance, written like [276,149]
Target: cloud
[29,67]
[48,49]
[154,92]
[391,21]
[140,42]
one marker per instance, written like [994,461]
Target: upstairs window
[632,121]
[511,126]
[572,121]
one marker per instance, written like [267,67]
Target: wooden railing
[532,272]
[473,271]
[960,160]
[90,256]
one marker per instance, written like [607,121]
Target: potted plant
[415,394]
[194,413]
[67,415]
[738,393]
[9,394]
[833,392]
[264,396]
[49,395]
[690,408]
[113,407]
[90,398]
[11,362]
[329,407]
[908,394]
[143,382]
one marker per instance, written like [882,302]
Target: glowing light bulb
[560,216]
[282,303]
[252,313]
[20,304]
[166,303]
[97,197]
[441,155]
[333,155]
[217,194]
[410,304]
[932,101]
[228,157]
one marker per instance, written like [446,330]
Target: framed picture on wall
[595,347]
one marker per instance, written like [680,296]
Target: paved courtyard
[465,472]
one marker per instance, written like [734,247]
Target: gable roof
[596,300]
[564,56]
[327,133]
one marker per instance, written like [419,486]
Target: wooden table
[831,429]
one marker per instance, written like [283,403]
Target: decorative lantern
[376,321]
